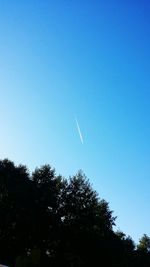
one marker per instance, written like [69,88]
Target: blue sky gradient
[90,59]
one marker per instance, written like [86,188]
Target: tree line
[48,220]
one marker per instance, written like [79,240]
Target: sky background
[90,59]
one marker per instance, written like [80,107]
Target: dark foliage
[46,220]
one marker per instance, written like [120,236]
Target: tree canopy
[48,220]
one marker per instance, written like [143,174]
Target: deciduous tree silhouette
[60,222]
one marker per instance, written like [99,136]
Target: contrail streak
[79,131]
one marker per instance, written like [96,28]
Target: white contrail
[79,131]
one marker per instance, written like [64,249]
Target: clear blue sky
[86,58]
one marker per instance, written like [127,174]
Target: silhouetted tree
[47,220]
[16,210]
[86,221]
[144,243]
